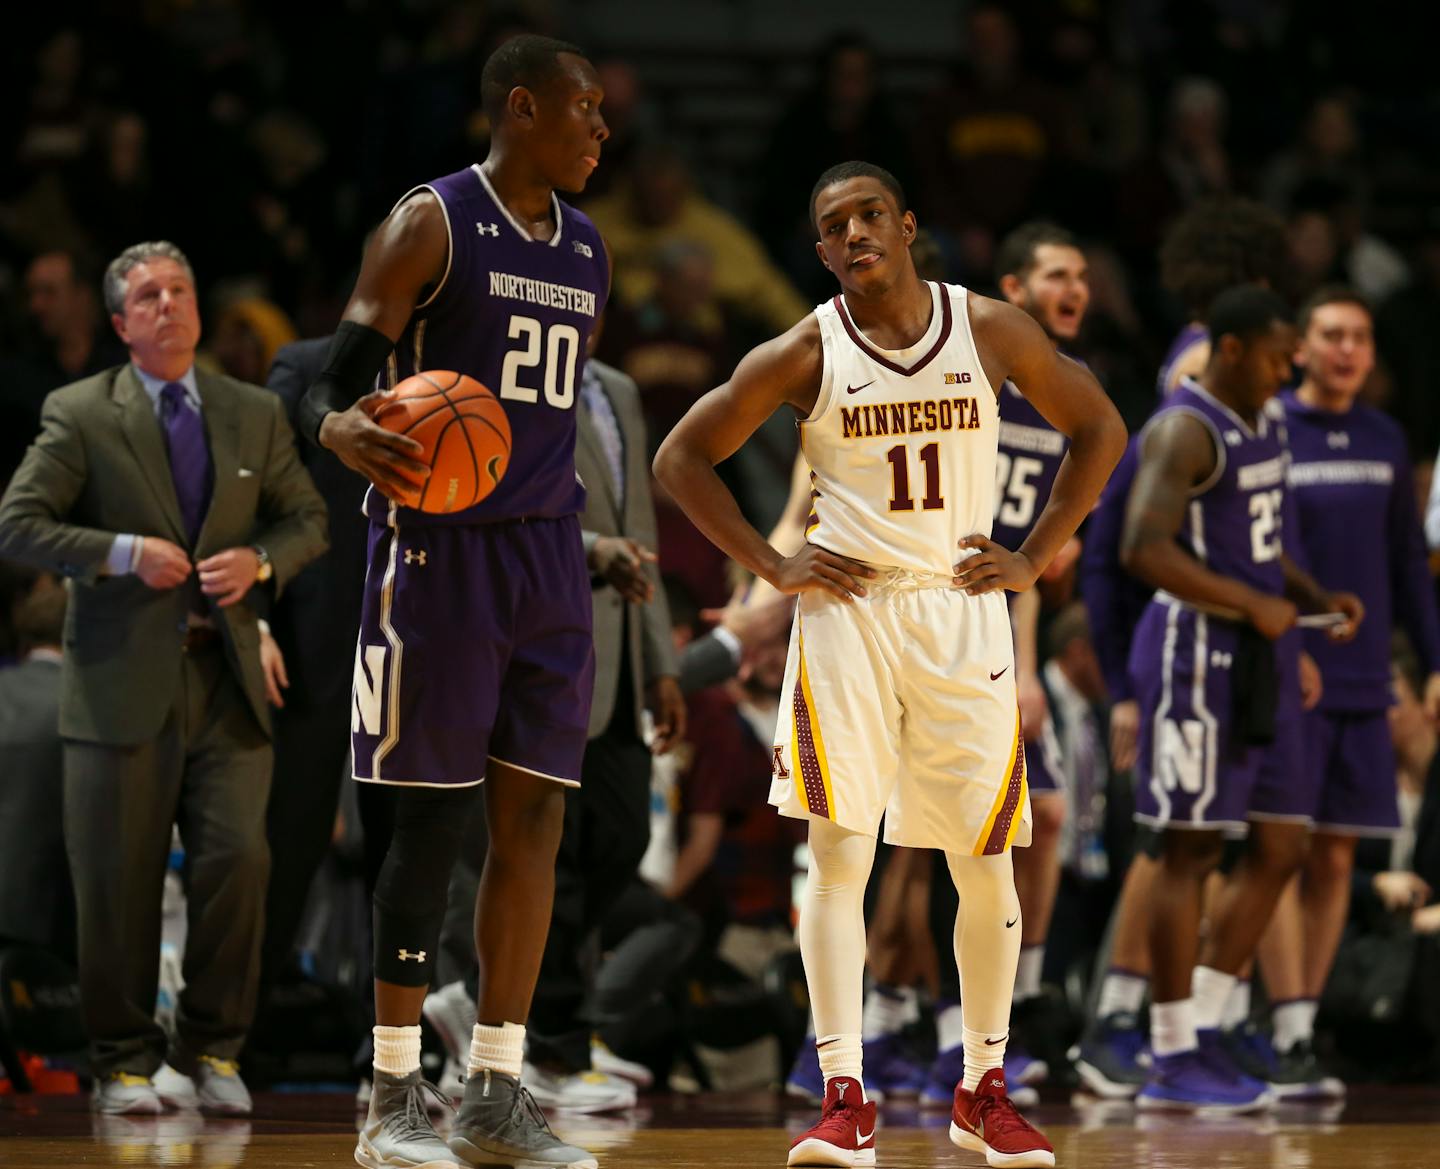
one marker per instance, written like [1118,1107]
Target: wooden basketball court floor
[1393,1128]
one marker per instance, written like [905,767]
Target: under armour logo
[1233,438]
[778,765]
[583,248]
[406,956]
[1221,659]
[415,556]
[488,228]
[1337,440]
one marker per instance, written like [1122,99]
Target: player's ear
[1301,355]
[908,227]
[1011,288]
[1231,349]
[521,104]
[820,251]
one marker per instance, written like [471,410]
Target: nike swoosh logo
[994,676]
[993,1042]
[857,389]
[862,1137]
[1011,922]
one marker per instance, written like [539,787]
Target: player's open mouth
[591,161]
[865,259]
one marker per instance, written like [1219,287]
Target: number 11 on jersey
[900,497]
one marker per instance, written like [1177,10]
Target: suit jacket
[99,467]
[317,620]
[36,901]
[649,644]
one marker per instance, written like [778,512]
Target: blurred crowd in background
[267,145]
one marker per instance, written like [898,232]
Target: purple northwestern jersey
[1191,335]
[1026,464]
[1114,600]
[1355,503]
[514,313]
[1234,521]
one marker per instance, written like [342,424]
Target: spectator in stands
[1328,148]
[69,340]
[37,904]
[677,344]
[844,114]
[167,494]
[248,334]
[993,133]
[1362,259]
[657,204]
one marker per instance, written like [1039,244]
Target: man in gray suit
[166,494]
[607,821]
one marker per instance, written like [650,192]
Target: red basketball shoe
[986,1121]
[846,1133]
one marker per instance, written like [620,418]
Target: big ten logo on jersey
[367,705]
[957,379]
[556,347]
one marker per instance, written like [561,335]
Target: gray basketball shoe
[499,1121]
[397,1133]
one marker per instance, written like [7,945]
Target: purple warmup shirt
[514,313]
[1360,531]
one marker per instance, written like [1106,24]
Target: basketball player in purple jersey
[474,659]
[1351,481]
[1040,269]
[1220,243]
[1204,528]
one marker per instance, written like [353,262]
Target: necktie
[607,427]
[189,456]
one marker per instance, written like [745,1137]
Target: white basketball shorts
[903,703]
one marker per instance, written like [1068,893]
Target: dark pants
[607,829]
[311,751]
[208,770]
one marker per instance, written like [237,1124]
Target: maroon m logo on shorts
[778,766]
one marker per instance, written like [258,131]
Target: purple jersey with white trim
[1028,459]
[1234,521]
[514,313]
[1360,530]
[1191,335]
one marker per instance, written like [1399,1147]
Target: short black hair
[844,171]
[528,60]
[1016,253]
[1245,312]
[1220,242]
[1330,294]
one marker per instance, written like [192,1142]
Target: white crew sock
[497,1049]
[1172,1027]
[1121,992]
[1209,990]
[949,1027]
[1027,972]
[1294,1022]
[397,1050]
[1237,1006]
[887,1010]
[842,1055]
[983,1053]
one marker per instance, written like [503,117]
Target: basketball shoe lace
[994,1118]
[413,1122]
[839,1124]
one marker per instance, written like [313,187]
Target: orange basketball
[464,431]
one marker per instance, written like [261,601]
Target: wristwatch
[265,570]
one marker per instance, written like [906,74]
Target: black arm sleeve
[357,354]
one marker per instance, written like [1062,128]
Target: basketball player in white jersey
[900,690]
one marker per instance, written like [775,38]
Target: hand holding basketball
[462,433]
[388,460]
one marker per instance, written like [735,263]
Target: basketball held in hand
[463,430]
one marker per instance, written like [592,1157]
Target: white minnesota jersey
[901,443]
